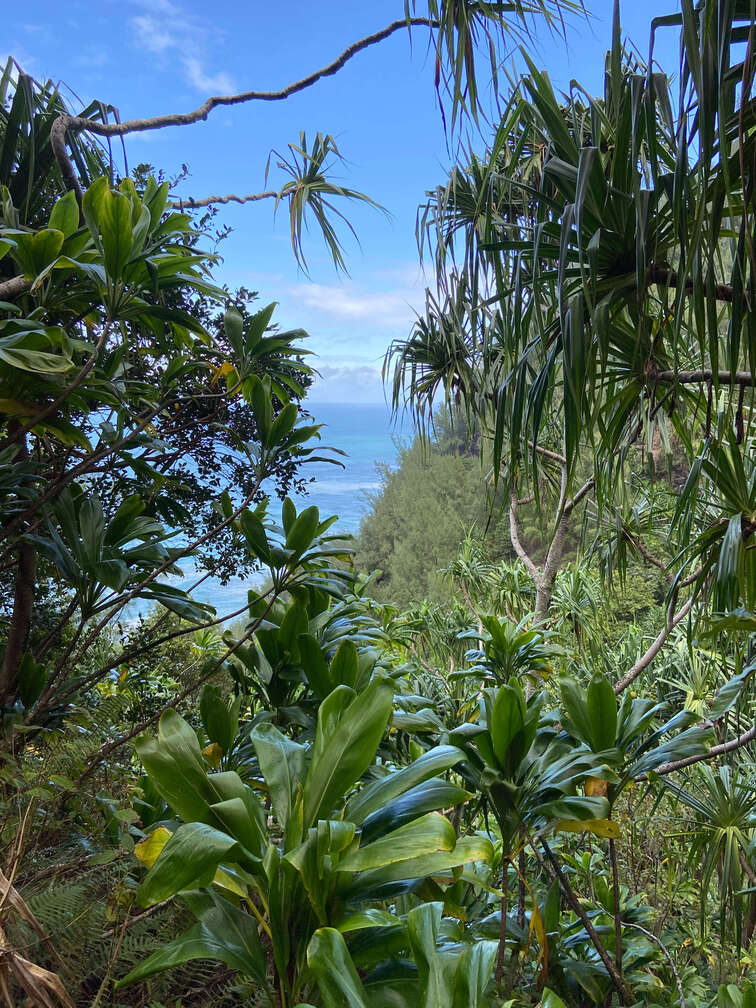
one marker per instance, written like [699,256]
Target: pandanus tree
[595,267]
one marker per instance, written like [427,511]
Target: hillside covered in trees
[499,751]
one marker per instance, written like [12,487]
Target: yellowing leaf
[595,787]
[148,850]
[606,828]
[213,754]
[220,372]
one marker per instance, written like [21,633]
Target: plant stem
[625,995]
[503,928]
[617,913]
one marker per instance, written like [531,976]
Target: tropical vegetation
[505,758]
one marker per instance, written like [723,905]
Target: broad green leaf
[507,720]
[216,718]
[175,765]
[426,835]
[601,705]
[345,665]
[282,764]
[338,981]
[115,224]
[35,252]
[429,796]
[303,531]
[65,214]
[192,854]
[314,665]
[377,795]
[224,934]
[349,751]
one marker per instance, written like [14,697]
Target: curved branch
[717,750]
[669,278]
[571,504]
[645,660]
[193,204]
[519,549]
[13,287]
[705,375]
[76,124]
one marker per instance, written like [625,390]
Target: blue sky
[148,57]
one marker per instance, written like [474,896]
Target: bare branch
[193,204]
[519,549]
[645,660]
[570,506]
[76,124]
[547,453]
[717,750]
[13,287]
[706,375]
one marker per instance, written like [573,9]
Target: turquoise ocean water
[369,435]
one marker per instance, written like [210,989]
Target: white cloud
[384,309]
[343,382]
[198,77]
[169,31]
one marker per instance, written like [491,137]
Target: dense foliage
[526,778]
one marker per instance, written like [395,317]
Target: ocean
[368,434]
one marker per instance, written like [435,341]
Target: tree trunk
[23,600]
[547,578]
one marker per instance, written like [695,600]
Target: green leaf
[427,835]
[282,763]
[32,677]
[175,765]
[115,224]
[193,853]
[576,709]
[349,751]
[338,981]
[551,1000]
[92,204]
[223,934]
[314,665]
[507,720]
[429,796]
[216,718]
[345,665]
[303,531]
[379,794]
[35,252]
[601,706]
[65,214]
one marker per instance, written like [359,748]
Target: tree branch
[13,287]
[193,204]
[645,660]
[519,549]
[570,506]
[717,750]
[76,124]
[705,375]
[670,278]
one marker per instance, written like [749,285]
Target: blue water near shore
[369,435]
